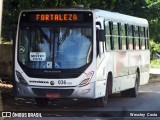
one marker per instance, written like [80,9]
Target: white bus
[80,53]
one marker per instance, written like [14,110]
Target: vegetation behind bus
[148,9]
[155,48]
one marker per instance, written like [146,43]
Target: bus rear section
[54,55]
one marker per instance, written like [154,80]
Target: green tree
[154,19]
[149,9]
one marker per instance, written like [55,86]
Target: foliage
[155,63]
[148,9]
[154,48]
[12,8]
[153,16]
[2,40]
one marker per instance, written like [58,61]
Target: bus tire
[102,101]
[41,102]
[133,92]
[125,93]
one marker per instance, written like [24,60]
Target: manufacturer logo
[52,82]
[22,49]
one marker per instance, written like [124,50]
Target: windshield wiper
[44,35]
[62,39]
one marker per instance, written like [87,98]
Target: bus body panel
[145,67]
[125,63]
[120,74]
[122,64]
[38,91]
[87,91]
[102,72]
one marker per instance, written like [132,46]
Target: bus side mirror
[101,35]
[100,40]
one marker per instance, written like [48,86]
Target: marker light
[21,78]
[87,79]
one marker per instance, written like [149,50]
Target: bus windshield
[53,47]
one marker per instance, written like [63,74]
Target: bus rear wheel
[41,102]
[133,92]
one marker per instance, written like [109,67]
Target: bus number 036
[61,82]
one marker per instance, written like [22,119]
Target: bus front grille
[43,92]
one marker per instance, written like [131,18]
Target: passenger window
[130,37]
[142,38]
[115,36]
[136,37]
[141,32]
[108,41]
[123,31]
[123,36]
[143,44]
[130,30]
[147,38]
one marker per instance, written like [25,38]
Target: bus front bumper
[55,92]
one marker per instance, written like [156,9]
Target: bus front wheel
[102,101]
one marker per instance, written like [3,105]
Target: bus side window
[130,37]
[108,40]
[147,38]
[123,36]
[136,36]
[142,37]
[115,36]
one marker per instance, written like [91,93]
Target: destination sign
[56,17]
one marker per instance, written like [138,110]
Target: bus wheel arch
[137,83]
[133,92]
[102,101]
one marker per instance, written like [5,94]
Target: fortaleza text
[56,17]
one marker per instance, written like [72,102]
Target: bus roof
[117,17]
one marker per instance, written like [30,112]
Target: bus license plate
[53,95]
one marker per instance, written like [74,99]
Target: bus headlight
[87,79]
[20,78]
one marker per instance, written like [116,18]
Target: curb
[154,71]
[154,75]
